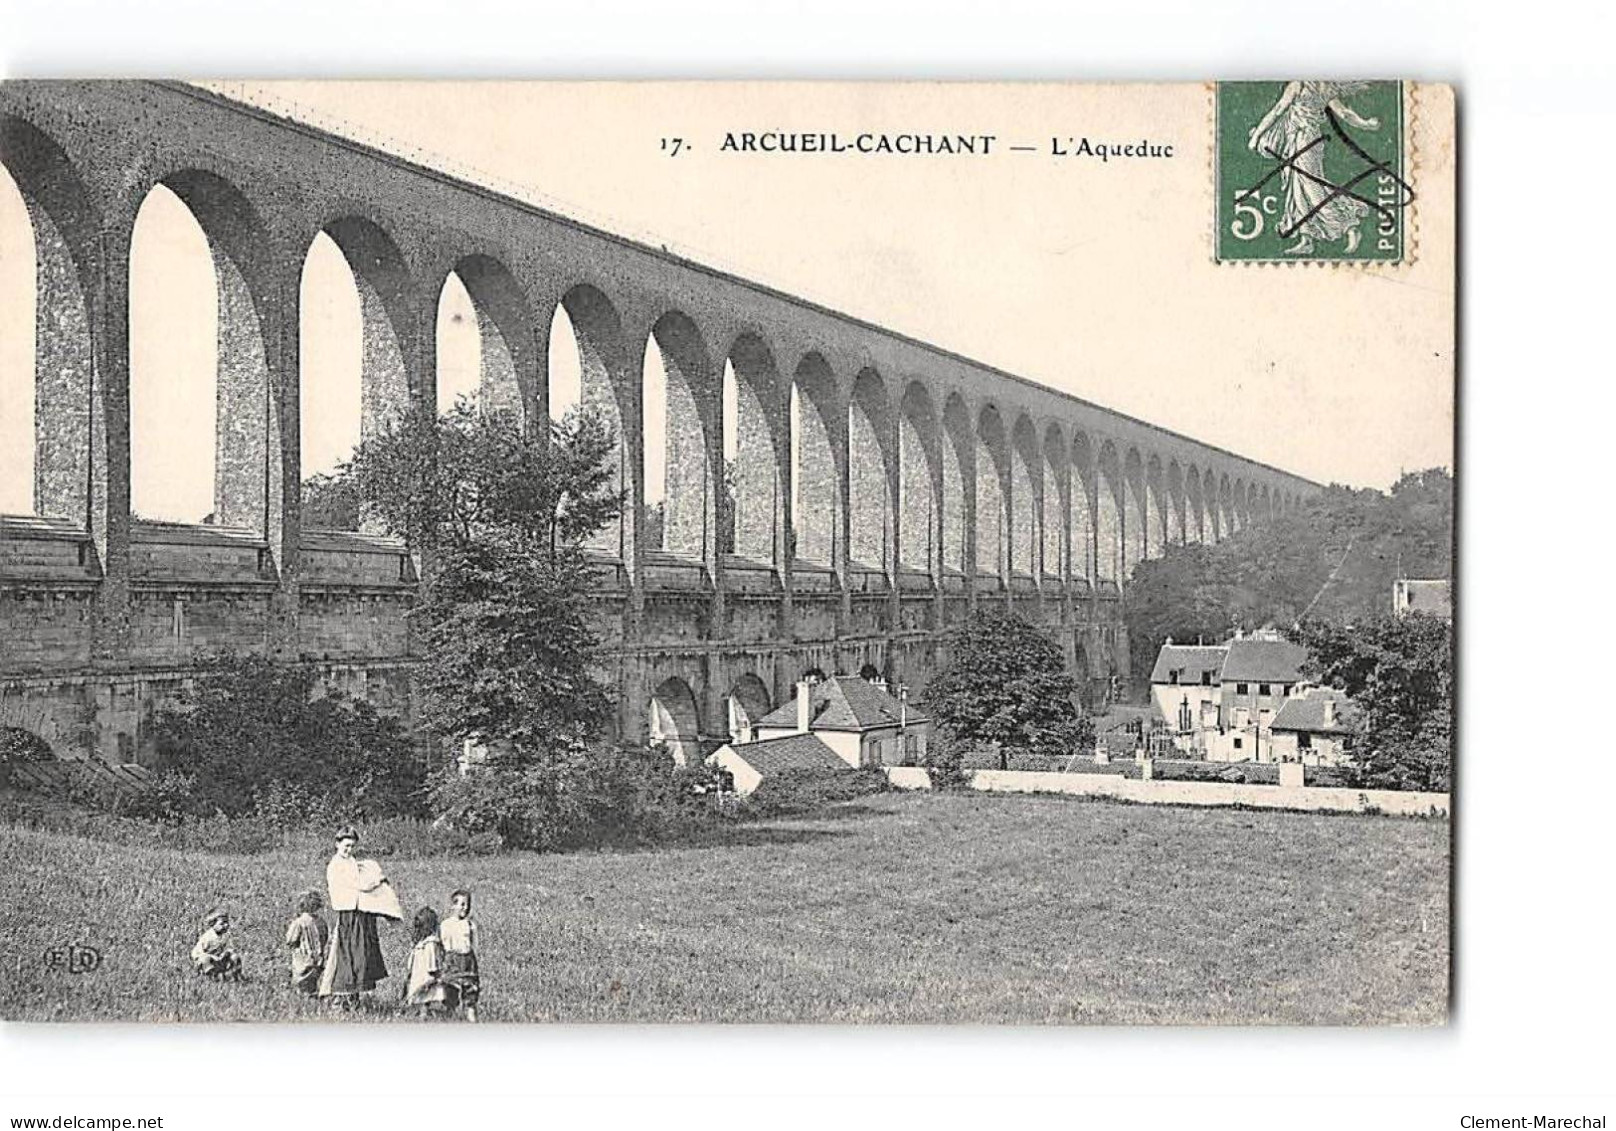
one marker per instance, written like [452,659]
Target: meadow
[897,908]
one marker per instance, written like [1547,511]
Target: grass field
[899,908]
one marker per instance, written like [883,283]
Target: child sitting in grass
[306,935]
[425,987]
[212,955]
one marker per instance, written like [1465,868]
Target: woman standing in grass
[360,894]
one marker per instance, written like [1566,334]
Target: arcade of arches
[205,320]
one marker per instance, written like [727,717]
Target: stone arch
[747,702]
[1237,506]
[992,494]
[690,406]
[752,450]
[1026,475]
[246,458]
[388,300]
[919,480]
[1083,508]
[1177,527]
[1056,504]
[869,471]
[958,461]
[586,322]
[1155,507]
[63,460]
[816,443]
[674,720]
[1195,525]
[507,364]
[1111,498]
[1135,533]
[43,726]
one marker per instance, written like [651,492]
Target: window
[1206,679]
[1172,676]
[1237,745]
[1240,689]
[1284,689]
[1304,741]
[1263,689]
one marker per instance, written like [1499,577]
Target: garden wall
[1157,792]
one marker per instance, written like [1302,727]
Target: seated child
[306,935]
[425,987]
[458,933]
[212,955]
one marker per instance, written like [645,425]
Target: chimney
[1329,712]
[805,696]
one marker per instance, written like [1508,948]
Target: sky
[1090,277]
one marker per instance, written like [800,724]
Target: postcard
[876,553]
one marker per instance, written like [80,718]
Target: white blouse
[346,877]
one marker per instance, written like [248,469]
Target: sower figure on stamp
[1292,132]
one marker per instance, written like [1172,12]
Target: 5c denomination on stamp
[1311,171]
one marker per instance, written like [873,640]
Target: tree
[502,513]
[1006,686]
[1399,672]
[1333,559]
[331,502]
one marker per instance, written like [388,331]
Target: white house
[1311,727]
[1432,596]
[1186,687]
[837,723]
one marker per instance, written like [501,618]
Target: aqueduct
[882,487]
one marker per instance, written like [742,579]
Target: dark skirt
[355,963]
[460,974]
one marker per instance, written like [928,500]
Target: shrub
[945,762]
[253,733]
[792,792]
[576,797]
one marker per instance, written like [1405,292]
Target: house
[831,724]
[1311,727]
[749,763]
[1258,674]
[1433,597]
[1186,685]
[859,719]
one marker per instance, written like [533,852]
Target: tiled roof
[1305,712]
[844,703]
[1189,661]
[791,752]
[1264,661]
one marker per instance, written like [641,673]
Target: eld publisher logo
[75,958]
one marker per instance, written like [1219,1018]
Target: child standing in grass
[212,955]
[306,935]
[459,936]
[425,987]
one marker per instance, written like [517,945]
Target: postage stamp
[1311,170]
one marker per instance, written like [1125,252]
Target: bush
[795,792]
[578,797]
[945,762]
[229,836]
[254,736]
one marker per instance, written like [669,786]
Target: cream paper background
[1093,278]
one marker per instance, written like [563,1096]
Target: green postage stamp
[1311,171]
